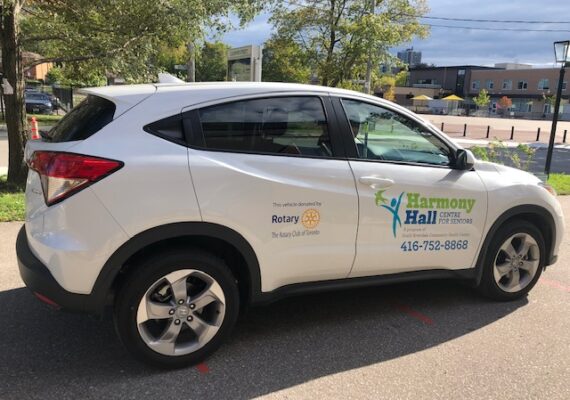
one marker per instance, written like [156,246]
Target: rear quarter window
[89,117]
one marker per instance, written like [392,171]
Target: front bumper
[40,281]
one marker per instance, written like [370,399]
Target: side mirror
[464,160]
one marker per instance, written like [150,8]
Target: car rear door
[272,168]
[416,211]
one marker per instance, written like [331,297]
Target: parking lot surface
[432,340]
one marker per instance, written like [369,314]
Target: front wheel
[175,309]
[514,261]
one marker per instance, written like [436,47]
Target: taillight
[64,174]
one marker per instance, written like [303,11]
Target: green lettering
[413,200]
[442,203]
[470,205]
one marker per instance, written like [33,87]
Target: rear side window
[280,125]
[169,128]
[90,116]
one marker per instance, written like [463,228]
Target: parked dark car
[38,103]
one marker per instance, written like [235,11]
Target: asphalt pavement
[427,340]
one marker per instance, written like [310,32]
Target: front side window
[280,125]
[382,134]
[507,84]
[522,85]
[490,84]
[475,85]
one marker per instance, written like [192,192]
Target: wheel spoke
[503,269]
[529,266]
[203,330]
[525,246]
[509,249]
[177,281]
[166,343]
[153,310]
[211,294]
[515,279]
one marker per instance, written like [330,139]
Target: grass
[12,204]
[560,183]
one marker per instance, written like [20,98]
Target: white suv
[178,205]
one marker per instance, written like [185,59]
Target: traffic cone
[35,130]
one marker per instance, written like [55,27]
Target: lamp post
[562,56]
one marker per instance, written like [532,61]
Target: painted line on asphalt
[203,368]
[412,313]
[555,285]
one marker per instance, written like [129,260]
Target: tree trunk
[15,105]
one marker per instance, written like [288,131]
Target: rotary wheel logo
[311,218]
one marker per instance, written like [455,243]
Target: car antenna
[164,77]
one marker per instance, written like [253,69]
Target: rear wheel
[514,261]
[177,308]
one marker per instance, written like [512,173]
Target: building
[447,80]
[37,72]
[529,89]
[513,66]
[410,57]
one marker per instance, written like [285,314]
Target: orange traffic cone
[35,131]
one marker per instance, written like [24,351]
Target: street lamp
[562,57]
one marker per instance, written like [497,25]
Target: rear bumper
[40,281]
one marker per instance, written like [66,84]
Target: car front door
[416,211]
[270,169]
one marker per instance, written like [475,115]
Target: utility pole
[191,66]
[368,80]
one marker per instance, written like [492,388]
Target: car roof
[188,94]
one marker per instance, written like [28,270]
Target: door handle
[375,182]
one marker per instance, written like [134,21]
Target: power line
[477,28]
[488,20]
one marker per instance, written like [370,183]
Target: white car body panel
[244,192]
[508,188]
[379,246]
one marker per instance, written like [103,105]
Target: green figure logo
[394,208]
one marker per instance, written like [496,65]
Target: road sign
[244,63]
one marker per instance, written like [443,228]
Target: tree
[505,103]
[387,84]
[212,62]
[402,78]
[285,61]
[97,38]
[483,99]
[339,37]
[169,56]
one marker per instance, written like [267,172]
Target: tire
[503,264]
[195,298]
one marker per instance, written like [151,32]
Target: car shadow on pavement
[49,354]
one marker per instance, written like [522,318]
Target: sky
[447,46]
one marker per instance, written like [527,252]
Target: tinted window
[90,116]
[381,134]
[168,128]
[284,125]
